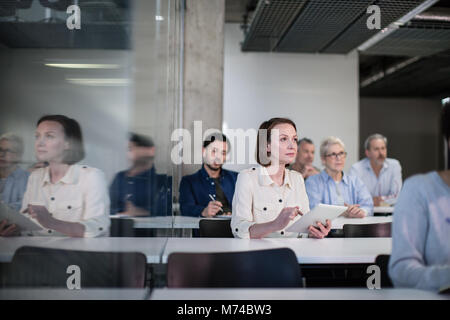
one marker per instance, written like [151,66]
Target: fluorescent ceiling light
[82,65]
[100,81]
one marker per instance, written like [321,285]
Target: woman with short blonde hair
[333,186]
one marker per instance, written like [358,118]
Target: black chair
[374,230]
[215,228]
[44,267]
[382,261]
[121,227]
[274,268]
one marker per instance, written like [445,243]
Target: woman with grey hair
[13,179]
[333,186]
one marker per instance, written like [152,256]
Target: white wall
[318,92]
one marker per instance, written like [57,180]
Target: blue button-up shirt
[321,188]
[15,186]
[196,188]
[388,183]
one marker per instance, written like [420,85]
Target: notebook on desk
[23,221]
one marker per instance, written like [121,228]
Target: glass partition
[111,65]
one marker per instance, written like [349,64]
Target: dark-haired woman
[65,198]
[269,197]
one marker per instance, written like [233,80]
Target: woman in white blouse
[269,198]
[65,198]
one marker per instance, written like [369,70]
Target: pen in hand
[212,198]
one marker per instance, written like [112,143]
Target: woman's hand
[8,230]
[45,218]
[285,216]
[354,211]
[321,231]
[41,214]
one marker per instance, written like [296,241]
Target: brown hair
[72,132]
[262,140]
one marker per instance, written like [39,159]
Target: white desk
[153,222]
[295,294]
[308,251]
[182,222]
[151,247]
[383,209]
[65,294]
[166,222]
[338,223]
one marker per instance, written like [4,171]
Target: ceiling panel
[419,38]
[319,23]
[357,33]
[269,22]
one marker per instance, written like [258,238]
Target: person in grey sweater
[421,229]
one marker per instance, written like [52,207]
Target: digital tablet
[321,213]
[22,221]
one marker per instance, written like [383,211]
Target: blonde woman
[333,186]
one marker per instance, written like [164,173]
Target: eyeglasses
[6,151]
[336,155]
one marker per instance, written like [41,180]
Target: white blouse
[80,196]
[257,199]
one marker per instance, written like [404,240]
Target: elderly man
[13,180]
[305,157]
[381,175]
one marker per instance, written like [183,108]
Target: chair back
[44,267]
[374,230]
[273,268]
[215,228]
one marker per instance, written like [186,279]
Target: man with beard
[140,191]
[381,175]
[304,159]
[209,191]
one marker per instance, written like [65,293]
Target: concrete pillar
[203,67]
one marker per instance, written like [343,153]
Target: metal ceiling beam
[395,25]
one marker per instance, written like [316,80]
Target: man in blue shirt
[381,175]
[211,181]
[140,191]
